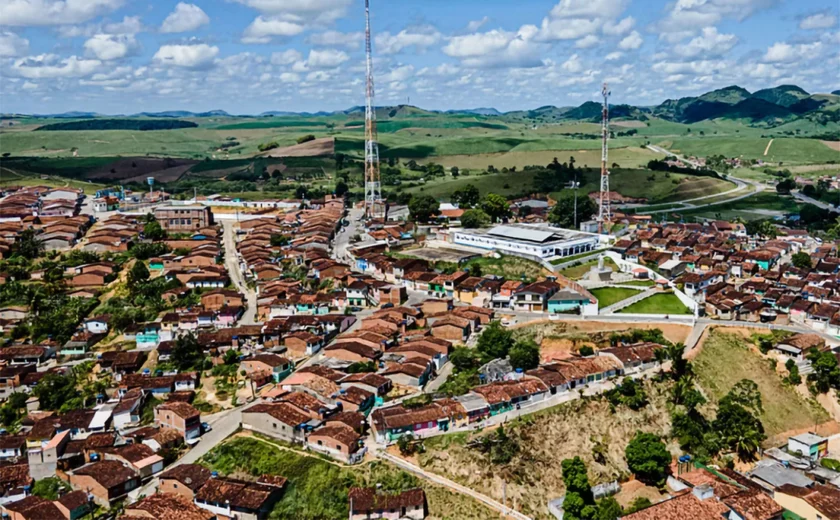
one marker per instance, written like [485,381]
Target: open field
[607,296]
[317,488]
[545,439]
[663,303]
[511,267]
[576,272]
[12,178]
[629,157]
[759,206]
[726,359]
[788,151]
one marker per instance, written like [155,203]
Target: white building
[534,240]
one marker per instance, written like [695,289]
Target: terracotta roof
[108,473]
[36,508]
[355,420]
[246,495]
[683,507]
[183,410]
[74,500]
[825,499]
[272,360]
[191,475]
[368,500]
[283,412]
[169,506]
[754,505]
[342,433]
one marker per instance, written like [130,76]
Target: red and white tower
[604,213]
[374,205]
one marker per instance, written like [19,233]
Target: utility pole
[604,216]
[373,187]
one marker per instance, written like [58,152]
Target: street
[235,272]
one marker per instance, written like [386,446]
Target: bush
[305,138]
[648,458]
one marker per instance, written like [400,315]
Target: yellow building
[818,502]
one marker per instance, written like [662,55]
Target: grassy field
[511,267]
[788,151]
[13,178]
[663,303]
[317,489]
[726,359]
[640,283]
[607,296]
[576,272]
[534,475]
[759,206]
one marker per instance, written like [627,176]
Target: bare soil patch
[834,145]
[628,124]
[318,147]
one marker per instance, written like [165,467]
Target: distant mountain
[476,111]
[592,111]
[836,92]
[183,113]
[727,95]
[783,95]
[68,115]
[544,113]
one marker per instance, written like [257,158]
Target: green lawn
[607,296]
[576,272]
[662,303]
[640,283]
[317,489]
[726,359]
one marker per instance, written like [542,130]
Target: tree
[54,390]
[49,488]
[466,197]
[455,171]
[305,138]
[139,273]
[609,509]
[745,393]
[187,354]
[475,218]
[495,342]
[563,213]
[785,186]
[341,188]
[738,429]
[648,458]
[278,240]
[423,208]
[762,228]
[496,207]
[579,502]
[464,358]
[28,245]
[826,372]
[154,231]
[801,260]
[525,355]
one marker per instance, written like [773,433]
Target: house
[230,498]
[808,445]
[107,481]
[32,508]
[15,482]
[567,300]
[181,417]
[264,364]
[184,218]
[97,324]
[12,446]
[535,297]
[302,343]
[818,502]
[140,457]
[798,345]
[337,441]
[452,328]
[369,503]
[392,422]
[219,298]
[183,480]
[279,420]
[167,506]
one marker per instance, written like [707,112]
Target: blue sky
[250,56]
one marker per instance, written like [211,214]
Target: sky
[251,56]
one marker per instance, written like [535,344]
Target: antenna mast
[604,213]
[374,205]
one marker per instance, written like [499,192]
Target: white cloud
[573,64]
[631,41]
[420,39]
[262,30]
[28,85]
[128,25]
[185,17]
[326,59]
[289,77]
[108,47]
[337,39]
[563,29]
[400,73]
[497,48]
[12,45]
[194,56]
[782,52]
[475,25]
[619,28]
[587,8]
[687,17]
[52,66]
[818,21]
[696,68]
[286,57]
[614,56]
[710,44]
[587,41]
[478,44]
[318,12]
[53,12]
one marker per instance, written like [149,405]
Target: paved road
[342,239]
[458,488]
[235,272]
[815,202]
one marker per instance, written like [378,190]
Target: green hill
[783,95]
[728,95]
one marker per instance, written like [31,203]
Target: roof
[825,499]
[191,475]
[342,433]
[74,500]
[283,412]
[754,505]
[777,475]
[272,360]
[367,499]
[36,508]
[519,233]
[246,495]
[170,506]
[809,438]
[683,507]
[183,410]
[108,473]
